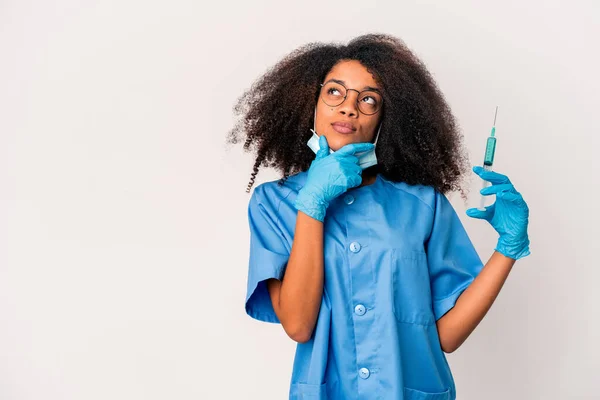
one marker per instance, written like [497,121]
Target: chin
[337,143]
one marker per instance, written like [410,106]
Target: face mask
[365,159]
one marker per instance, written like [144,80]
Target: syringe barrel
[490,149]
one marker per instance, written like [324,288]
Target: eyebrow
[364,88]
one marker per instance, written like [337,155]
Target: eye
[331,90]
[373,100]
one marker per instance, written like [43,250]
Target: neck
[369,176]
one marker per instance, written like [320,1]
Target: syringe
[488,159]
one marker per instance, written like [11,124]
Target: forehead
[353,73]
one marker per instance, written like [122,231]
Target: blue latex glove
[509,215]
[329,176]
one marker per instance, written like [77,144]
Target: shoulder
[426,195]
[270,194]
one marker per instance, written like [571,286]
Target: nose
[349,105]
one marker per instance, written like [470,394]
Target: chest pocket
[411,289]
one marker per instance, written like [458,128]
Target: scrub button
[363,373]
[355,247]
[360,309]
[349,199]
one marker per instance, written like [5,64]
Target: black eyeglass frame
[346,95]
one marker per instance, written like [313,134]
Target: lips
[343,127]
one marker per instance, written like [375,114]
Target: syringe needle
[496,113]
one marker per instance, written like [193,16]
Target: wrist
[513,249]
[311,204]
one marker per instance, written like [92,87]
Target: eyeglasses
[334,93]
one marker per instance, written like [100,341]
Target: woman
[367,267]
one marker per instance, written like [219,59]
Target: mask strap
[377,137]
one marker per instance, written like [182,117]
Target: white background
[123,230]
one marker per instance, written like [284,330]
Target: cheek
[372,129]
[323,118]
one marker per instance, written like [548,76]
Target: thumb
[480,214]
[323,147]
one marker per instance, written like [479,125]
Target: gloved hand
[509,215]
[329,176]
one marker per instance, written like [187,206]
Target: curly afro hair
[419,143]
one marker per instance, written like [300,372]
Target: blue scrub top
[396,258]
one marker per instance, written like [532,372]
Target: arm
[509,216]
[472,305]
[297,297]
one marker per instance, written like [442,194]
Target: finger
[481,214]
[323,147]
[495,189]
[354,180]
[354,148]
[509,196]
[347,158]
[355,169]
[491,176]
